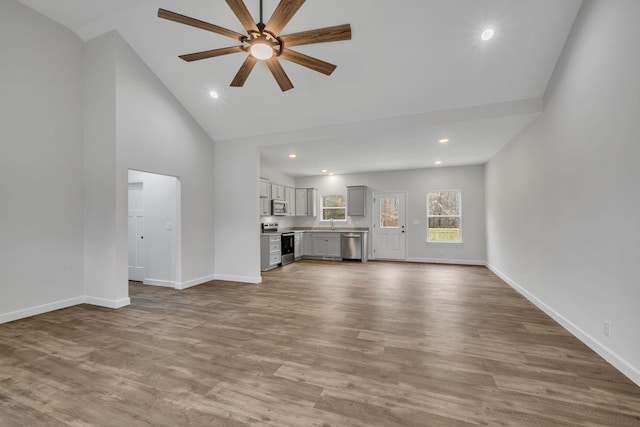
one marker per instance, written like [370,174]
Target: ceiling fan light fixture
[261,50]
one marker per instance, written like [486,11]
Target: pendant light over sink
[264,42]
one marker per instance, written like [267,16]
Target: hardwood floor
[316,344]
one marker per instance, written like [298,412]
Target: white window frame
[322,207]
[459,216]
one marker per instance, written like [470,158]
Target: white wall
[135,123]
[161,227]
[417,183]
[237,191]
[563,199]
[102,284]
[156,134]
[41,174]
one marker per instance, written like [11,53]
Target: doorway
[154,229]
[389,226]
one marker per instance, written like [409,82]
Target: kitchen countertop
[317,230]
[328,230]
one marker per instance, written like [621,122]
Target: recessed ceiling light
[487,34]
[324,171]
[330,173]
[293,156]
[438,162]
[443,140]
[213,94]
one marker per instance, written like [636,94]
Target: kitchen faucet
[331,224]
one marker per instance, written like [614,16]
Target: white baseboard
[194,282]
[200,280]
[241,279]
[158,282]
[448,261]
[40,309]
[606,353]
[108,303]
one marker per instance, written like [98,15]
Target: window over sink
[334,207]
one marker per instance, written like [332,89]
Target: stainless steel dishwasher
[351,246]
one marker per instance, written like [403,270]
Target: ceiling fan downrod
[261,23]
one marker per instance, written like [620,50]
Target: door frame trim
[374,228]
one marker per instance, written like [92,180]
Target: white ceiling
[415,71]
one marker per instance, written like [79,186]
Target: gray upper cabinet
[265,188]
[290,198]
[265,197]
[277,191]
[306,201]
[356,200]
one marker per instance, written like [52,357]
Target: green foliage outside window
[334,207]
[443,216]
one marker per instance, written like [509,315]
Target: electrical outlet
[607,329]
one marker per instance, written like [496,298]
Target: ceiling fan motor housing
[263,37]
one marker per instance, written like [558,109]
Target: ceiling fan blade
[240,10]
[244,71]
[308,61]
[278,72]
[211,53]
[282,15]
[176,17]
[321,35]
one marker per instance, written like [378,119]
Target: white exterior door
[389,226]
[136,233]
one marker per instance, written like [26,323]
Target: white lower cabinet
[298,245]
[270,251]
[323,245]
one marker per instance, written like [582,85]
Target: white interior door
[136,233]
[389,226]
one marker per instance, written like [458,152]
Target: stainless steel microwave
[279,207]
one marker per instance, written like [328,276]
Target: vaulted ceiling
[414,72]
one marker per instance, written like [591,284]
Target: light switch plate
[169,225]
[416,222]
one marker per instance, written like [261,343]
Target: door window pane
[389,212]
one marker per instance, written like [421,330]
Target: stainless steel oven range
[288,254]
[286,242]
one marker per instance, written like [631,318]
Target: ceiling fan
[264,42]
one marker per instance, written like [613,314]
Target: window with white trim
[334,207]
[444,215]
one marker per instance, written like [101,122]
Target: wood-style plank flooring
[316,344]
